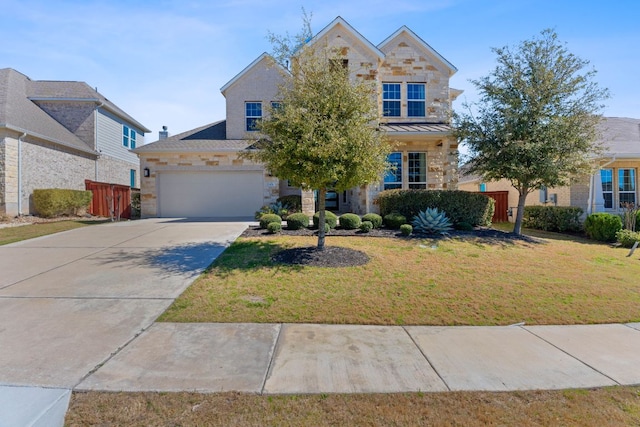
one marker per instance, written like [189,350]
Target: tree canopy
[323,132]
[536,121]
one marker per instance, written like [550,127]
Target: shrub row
[56,201]
[460,206]
[602,226]
[552,218]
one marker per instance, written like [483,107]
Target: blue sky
[165,61]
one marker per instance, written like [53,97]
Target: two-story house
[199,173]
[57,134]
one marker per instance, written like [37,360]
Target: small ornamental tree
[536,122]
[324,132]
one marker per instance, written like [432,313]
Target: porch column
[598,199]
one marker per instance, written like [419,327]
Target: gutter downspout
[95,138]
[24,135]
[592,184]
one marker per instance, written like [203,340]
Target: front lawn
[462,281]
[618,406]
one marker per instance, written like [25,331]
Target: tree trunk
[322,195]
[522,198]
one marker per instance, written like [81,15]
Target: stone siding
[406,62]
[194,162]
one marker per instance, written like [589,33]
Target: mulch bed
[336,256]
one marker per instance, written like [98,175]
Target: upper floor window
[391,99]
[393,177]
[128,137]
[253,113]
[415,100]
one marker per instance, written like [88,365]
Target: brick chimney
[163,134]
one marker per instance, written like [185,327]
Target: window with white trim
[606,178]
[417,169]
[391,99]
[128,137]
[253,113]
[416,100]
[626,186]
[393,177]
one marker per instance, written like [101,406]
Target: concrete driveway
[69,301]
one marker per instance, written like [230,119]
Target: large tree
[324,133]
[535,122]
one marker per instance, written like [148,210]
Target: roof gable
[340,24]
[405,31]
[264,60]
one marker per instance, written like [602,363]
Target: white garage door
[210,194]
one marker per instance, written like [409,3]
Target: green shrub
[602,226]
[274,227]
[293,202]
[267,219]
[406,229]
[552,218]
[135,204]
[627,238]
[460,206]
[297,221]
[463,226]
[350,221]
[56,201]
[394,220]
[366,226]
[374,218]
[329,218]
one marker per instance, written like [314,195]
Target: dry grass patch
[24,232]
[462,281]
[597,407]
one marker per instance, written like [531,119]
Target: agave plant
[431,221]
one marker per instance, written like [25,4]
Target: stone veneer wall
[403,63]
[194,162]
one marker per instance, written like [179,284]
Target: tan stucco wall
[194,162]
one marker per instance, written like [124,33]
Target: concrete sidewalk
[77,312]
[303,358]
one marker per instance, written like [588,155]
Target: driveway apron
[70,301]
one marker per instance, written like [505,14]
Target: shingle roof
[78,91]
[210,137]
[416,128]
[17,112]
[621,136]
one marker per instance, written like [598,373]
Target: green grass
[24,232]
[554,279]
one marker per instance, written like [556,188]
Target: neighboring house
[57,134]
[613,183]
[200,173]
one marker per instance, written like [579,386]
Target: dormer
[414,80]
[249,93]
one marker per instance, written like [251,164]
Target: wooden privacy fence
[501,213]
[110,200]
